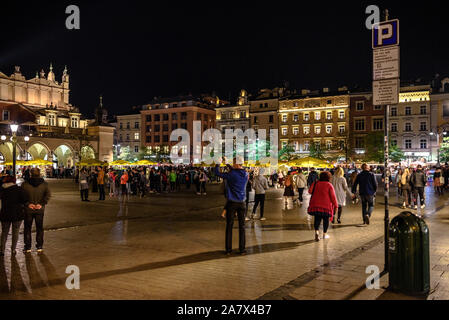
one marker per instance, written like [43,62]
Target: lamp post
[14,128]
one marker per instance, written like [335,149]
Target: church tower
[51,75]
[65,86]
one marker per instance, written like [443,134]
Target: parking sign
[386,34]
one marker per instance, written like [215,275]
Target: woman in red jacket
[323,203]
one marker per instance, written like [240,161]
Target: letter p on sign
[386,34]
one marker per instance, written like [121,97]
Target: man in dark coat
[12,213]
[38,194]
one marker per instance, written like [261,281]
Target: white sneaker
[263,219]
[416,207]
[423,206]
[247,219]
[204,193]
[317,236]
[198,193]
[326,236]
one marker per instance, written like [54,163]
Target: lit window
[306,117]
[136,135]
[328,129]
[284,131]
[284,118]
[341,128]
[317,115]
[306,146]
[329,115]
[74,122]
[341,114]
[295,131]
[306,130]
[317,130]
[295,118]
[51,119]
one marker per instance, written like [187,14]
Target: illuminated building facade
[318,118]
[410,123]
[163,115]
[57,130]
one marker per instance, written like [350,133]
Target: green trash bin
[408,251]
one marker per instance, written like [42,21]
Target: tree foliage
[316,151]
[287,153]
[374,149]
[444,150]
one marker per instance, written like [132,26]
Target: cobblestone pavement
[171,247]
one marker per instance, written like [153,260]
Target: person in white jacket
[301,184]
[260,184]
[341,189]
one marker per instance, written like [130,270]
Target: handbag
[311,196]
[441,179]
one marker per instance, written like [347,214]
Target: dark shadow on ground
[54,280]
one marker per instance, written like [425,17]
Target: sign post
[386,73]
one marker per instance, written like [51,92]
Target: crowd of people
[143,180]
[329,192]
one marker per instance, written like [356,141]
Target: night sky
[132,51]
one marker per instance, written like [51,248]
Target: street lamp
[14,128]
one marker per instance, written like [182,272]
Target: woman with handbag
[323,203]
[438,181]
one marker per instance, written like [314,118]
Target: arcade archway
[87,152]
[63,156]
[6,151]
[38,151]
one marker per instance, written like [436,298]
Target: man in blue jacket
[367,189]
[236,180]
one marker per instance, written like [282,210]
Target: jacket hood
[35,182]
